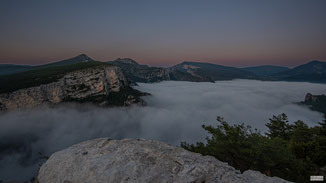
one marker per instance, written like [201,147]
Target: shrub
[290,151]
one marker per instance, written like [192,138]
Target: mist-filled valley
[174,112]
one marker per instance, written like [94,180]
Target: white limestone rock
[137,160]
[74,86]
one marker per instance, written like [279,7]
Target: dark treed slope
[212,71]
[266,70]
[78,59]
[181,75]
[314,71]
[40,76]
[6,69]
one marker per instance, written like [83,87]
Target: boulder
[137,160]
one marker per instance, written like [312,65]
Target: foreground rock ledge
[137,160]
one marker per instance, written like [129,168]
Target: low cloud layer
[175,113]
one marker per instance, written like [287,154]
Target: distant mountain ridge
[185,71]
[212,71]
[53,81]
[314,71]
[266,70]
[6,69]
[78,59]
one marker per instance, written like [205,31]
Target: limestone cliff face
[137,160]
[82,85]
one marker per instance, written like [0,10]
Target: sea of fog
[175,112]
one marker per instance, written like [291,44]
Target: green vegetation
[119,98]
[113,98]
[6,69]
[290,151]
[10,83]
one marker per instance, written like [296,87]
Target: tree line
[291,151]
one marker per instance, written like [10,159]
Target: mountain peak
[315,62]
[82,55]
[189,63]
[126,60]
[84,58]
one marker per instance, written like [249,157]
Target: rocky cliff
[187,73]
[135,160]
[315,102]
[141,73]
[103,85]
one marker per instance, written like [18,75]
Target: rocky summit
[137,160]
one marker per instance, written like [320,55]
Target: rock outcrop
[315,102]
[146,74]
[95,85]
[141,73]
[136,160]
[310,98]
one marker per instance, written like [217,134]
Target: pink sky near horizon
[166,62]
[164,33]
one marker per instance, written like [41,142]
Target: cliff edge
[102,85]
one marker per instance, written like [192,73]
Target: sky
[163,33]
[172,115]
